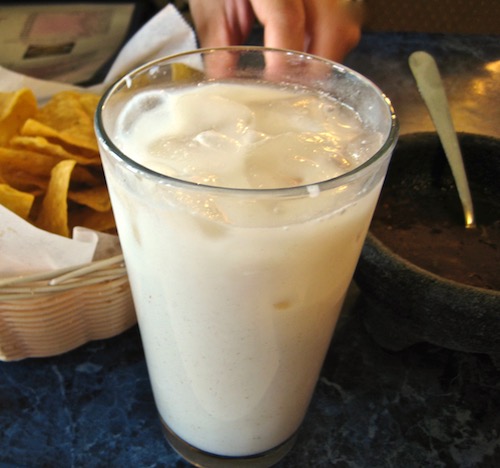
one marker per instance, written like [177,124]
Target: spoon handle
[430,86]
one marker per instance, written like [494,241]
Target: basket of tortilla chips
[51,176]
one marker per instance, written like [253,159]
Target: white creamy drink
[237,294]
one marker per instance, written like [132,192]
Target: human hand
[327,28]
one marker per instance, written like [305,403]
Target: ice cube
[144,102]
[289,160]
[194,116]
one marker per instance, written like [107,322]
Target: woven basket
[52,313]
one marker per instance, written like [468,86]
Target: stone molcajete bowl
[424,276]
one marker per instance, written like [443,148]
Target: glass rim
[313,187]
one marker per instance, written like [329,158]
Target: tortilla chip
[96,198]
[42,145]
[16,201]
[15,108]
[99,221]
[53,216]
[50,161]
[69,116]
[16,164]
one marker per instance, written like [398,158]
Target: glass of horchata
[243,181]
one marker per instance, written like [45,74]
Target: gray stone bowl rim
[417,270]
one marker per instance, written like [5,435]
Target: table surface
[423,406]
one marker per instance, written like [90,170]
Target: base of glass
[203,459]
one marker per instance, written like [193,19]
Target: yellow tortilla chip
[99,221]
[69,116]
[50,164]
[40,144]
[183,72]
[53,215]
[15,108]
[16,201]
[17,164]
[96,198]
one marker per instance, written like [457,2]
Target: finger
[220,23]
[221,64]
[333,28]
[240,14]
[283,22]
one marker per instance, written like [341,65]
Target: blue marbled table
[421,407]
[425,406]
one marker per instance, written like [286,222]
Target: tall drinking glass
[243,181]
